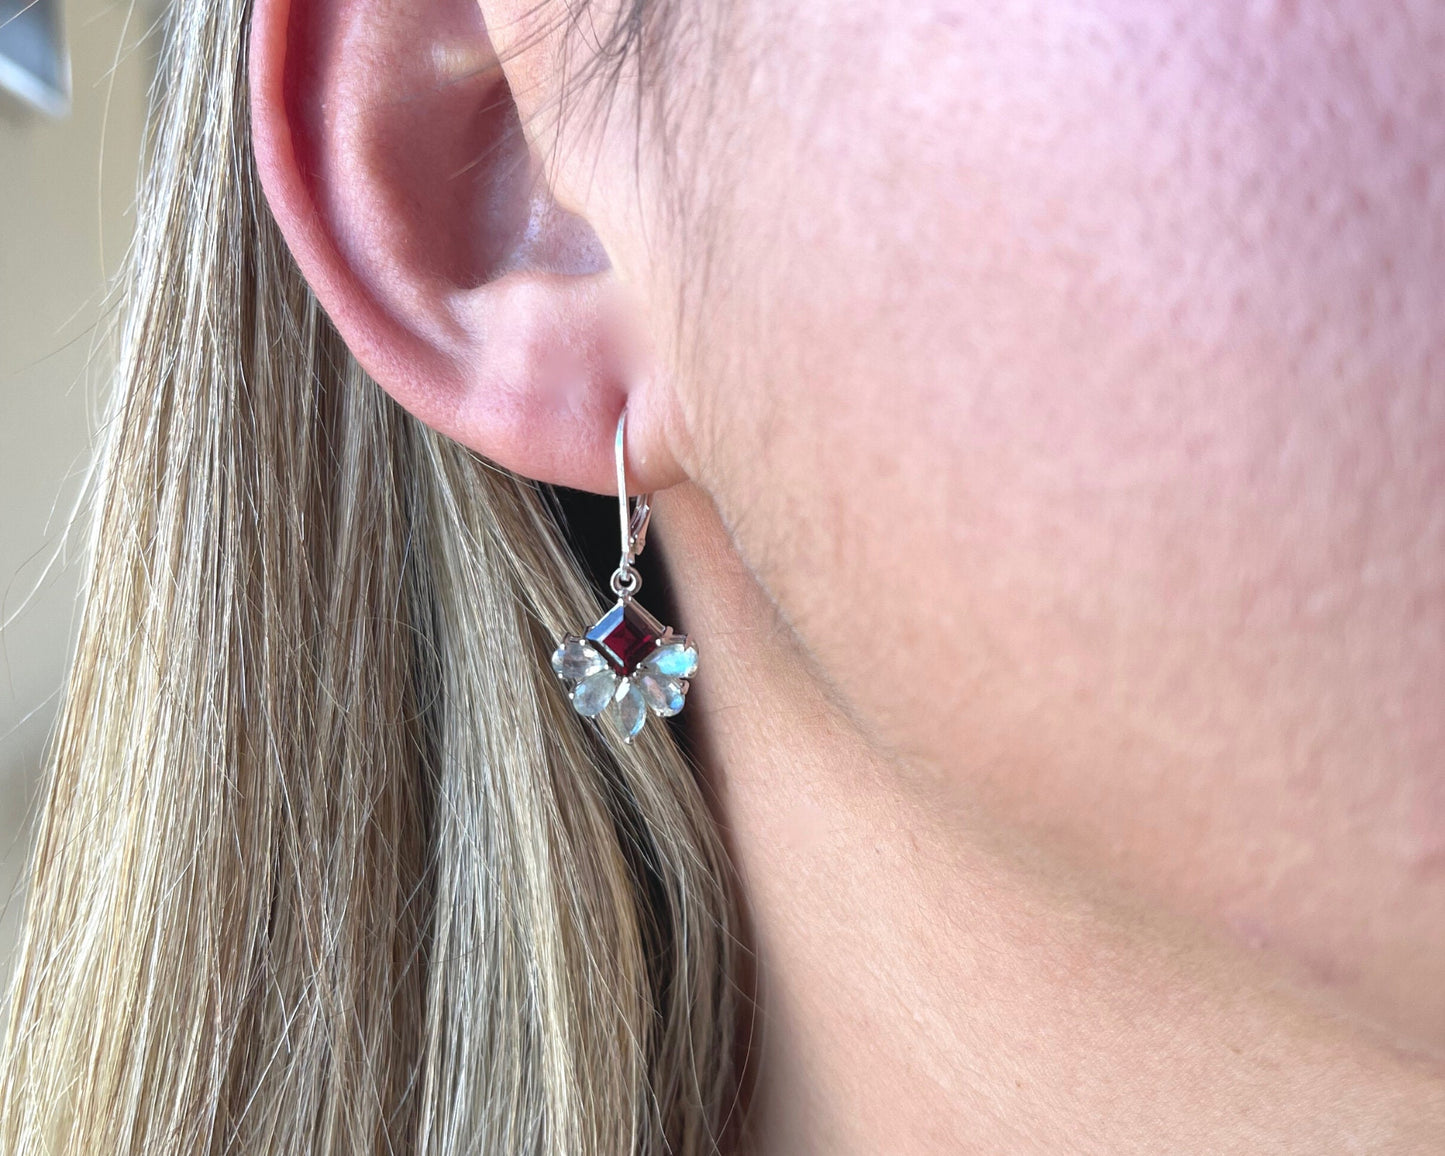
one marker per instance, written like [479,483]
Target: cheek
[1087,266]
[1071,378]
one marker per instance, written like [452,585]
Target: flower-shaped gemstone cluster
[628,664]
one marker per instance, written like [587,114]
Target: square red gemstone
[626,635]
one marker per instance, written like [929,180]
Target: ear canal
[555,241]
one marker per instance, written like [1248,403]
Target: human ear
[395,162]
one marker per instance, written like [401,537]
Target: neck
[926,986]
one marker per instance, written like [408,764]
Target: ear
[394,160]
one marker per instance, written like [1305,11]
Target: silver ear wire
[626,581]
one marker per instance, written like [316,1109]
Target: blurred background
[73,82]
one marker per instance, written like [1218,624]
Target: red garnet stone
[626,635]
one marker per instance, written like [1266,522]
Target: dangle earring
[628,663]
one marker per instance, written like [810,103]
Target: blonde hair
[327,863]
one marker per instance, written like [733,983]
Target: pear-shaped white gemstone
[628,708]
[673,659]
[575,659]
[591,696]
[664,695]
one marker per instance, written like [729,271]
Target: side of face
[1074,378]
[1070,374]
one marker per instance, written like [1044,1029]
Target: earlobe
[394,161]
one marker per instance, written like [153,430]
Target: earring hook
[626,581]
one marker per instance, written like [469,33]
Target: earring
[628,663]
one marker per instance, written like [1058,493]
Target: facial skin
[1069,378]
[1074,380]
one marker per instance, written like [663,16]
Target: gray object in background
[34,64]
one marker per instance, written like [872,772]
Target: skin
[1046,412]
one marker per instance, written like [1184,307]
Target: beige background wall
[66,193]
